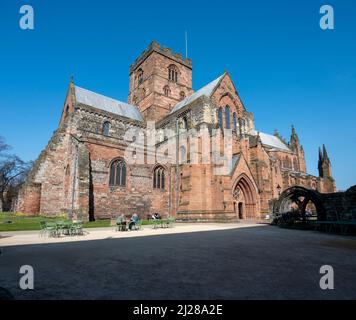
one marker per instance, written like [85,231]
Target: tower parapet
[154,46]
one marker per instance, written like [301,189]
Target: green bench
[56,229]
[163,223]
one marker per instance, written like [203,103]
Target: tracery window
[173,73]
[118,173]
[159,178]
[227,117]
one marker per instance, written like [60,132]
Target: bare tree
[3,146]
[13,172]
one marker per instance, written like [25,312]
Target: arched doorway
[305,201]
[245,198]
[240,210]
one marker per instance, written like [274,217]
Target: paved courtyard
[189,261]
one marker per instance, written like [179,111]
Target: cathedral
[156,152]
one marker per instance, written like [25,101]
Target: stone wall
[340,205]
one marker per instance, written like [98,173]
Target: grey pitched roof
[101,102]
[273,141]
[207,91]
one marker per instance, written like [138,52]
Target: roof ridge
[105,103]
[104,96]
[197,94]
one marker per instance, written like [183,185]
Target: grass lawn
[20,222]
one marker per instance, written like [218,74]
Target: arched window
[285,162]
[242,124]
[118,173]
[173,73]
[139,76]
[220,118]
[185,123]
[182,95]
[159,178]
[234,116]
[166,91]
[227,117]
[106,128]
[67,111]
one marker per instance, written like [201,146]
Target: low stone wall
[340,205]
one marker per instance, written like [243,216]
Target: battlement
[167,52]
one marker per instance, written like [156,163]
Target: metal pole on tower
[186,44]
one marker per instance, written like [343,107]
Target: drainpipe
[74,181]
[177,165]
[170,193]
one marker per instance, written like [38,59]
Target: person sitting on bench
[121,223]
[133,221]
[156,216]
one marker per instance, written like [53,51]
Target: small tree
[13,172]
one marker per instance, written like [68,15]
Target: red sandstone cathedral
[84,170]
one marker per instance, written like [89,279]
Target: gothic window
[167,91]
[235,121]
[185,123]
[182,155]
[289,163]
[227,117]
[220,117]
[159,178]
[139,76]
[173,73]
[286,163]
[118,173]
[106,128]
[182,95]
[242,124]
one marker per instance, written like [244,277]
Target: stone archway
[298,198]
[244,195]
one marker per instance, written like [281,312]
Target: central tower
[159,79]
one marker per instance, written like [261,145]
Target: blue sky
[286,69]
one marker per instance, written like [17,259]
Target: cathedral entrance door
[240,210]
[244,195]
